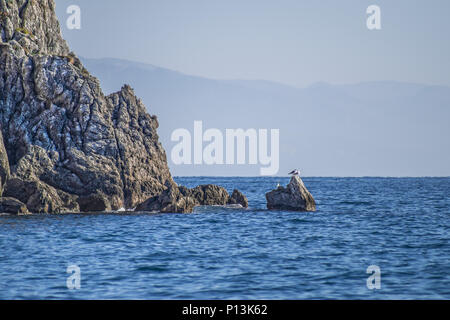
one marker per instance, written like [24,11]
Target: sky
[288,41]
[353,130]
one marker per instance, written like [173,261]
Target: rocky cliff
[64,146]
[4,165]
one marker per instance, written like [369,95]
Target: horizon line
[386,177]
[311,84]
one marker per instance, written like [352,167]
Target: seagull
[295,172]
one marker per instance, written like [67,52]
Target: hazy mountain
[363,129]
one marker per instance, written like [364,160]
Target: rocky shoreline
[64,145]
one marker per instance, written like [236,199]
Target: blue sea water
[398,224]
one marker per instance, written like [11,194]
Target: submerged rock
[12,206]
[295,197]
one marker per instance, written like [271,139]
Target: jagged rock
[237,198]
[34,25]
[183,200]
[208,195]
[12,206]
[170,200]
[40,197]
[141,157]
[94,203]
[295,197]
[58,127]
[66,146]
[4,165]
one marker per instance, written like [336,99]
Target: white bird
[295,172]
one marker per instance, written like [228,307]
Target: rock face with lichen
[295,197]
[4,165]
[64,146]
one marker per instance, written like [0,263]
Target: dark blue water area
[398,224]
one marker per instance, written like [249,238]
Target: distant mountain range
[364,129]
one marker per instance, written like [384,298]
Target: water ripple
[401,225]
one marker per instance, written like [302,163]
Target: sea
[370,238]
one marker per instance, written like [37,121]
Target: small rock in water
[179,199]
[208,195]
[170,200]
[237,198]
[12,206]
[295,197]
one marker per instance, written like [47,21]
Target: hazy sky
[289,41]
